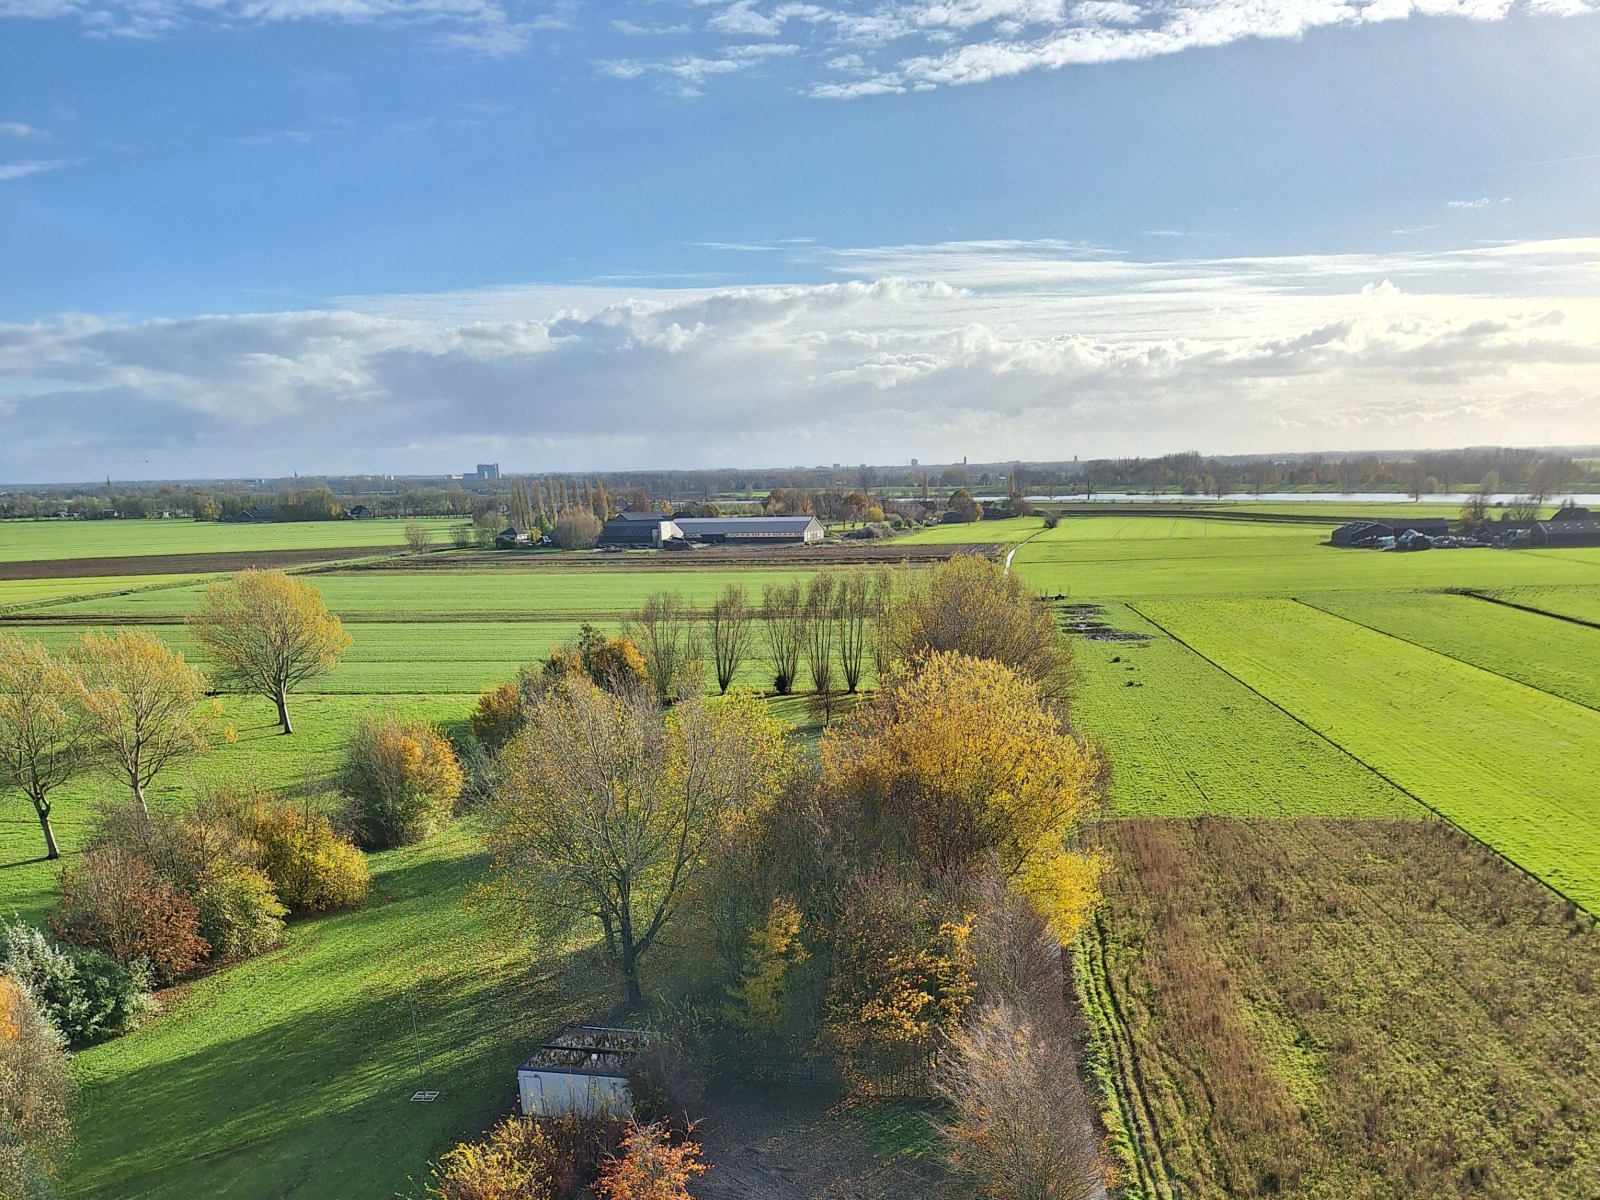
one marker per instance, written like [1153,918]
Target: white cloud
[995,349]
[31,166]
[18,130]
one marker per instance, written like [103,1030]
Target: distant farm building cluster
[1569,527]
[659,531]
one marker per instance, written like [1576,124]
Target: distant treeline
[838,493]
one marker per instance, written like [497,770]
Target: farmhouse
[583,1070]
[359,513]
[751,531]
[262,514]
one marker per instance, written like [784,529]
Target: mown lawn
[291,1075]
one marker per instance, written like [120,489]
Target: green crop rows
[1511,765]
[1186,739]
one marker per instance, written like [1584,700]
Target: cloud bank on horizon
[994,350]
[849,48]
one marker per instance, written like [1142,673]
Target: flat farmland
[1553,656]
[1510,764]
[26,592]
[1112,558]
[1579,603]
[576,595]
[1339,1008]
[1185,738]
[24,541]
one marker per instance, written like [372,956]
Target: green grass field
[1510,764]
[1579,603]
[1116,558]
[28,592]
[27,541]
[1186,739]
[291,1074]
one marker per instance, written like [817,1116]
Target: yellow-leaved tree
[139,699]
[609,805]
[42,735]
[955,760]
[266,634]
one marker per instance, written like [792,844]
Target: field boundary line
[1527,608]
[1402,789]
[1441,653]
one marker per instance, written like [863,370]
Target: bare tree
[418,537]
[666,631]
[819,640]
[1022,1123]
[730,634]
[608,807]
[883,634]
[784,618]
[852,617]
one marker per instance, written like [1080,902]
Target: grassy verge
[291,1074]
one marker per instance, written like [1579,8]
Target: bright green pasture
[1510,764]
[23,541]
[1553,656]
[1012,529]
[291,1074]
[580,595]
[1581,603]
[34,591]
[1187,739]
[1116,558]
[301,765]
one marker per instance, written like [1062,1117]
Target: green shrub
[400,779]
[311,867]
[240,913]
[86,994]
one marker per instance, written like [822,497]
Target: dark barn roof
[716,529]
[1357,532]
[1566,533]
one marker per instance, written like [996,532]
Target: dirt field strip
[181,564]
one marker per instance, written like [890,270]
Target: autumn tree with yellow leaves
[267,633]
[609,805]
[957,761]
[43,737]
[139,702]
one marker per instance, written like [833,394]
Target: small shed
[583,1070]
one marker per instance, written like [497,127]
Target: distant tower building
[488,470]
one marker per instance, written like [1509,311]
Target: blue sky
[456,228]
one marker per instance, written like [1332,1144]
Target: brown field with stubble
[1347,1008]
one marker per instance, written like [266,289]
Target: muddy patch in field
[1089,622]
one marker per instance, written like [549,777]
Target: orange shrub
[650,1167]
[117,901]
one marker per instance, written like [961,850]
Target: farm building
[510,538]
[1567,532]
[1361,533]
[639,531]
[359,513]
[751,531]
[262,514]
[582,1070]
